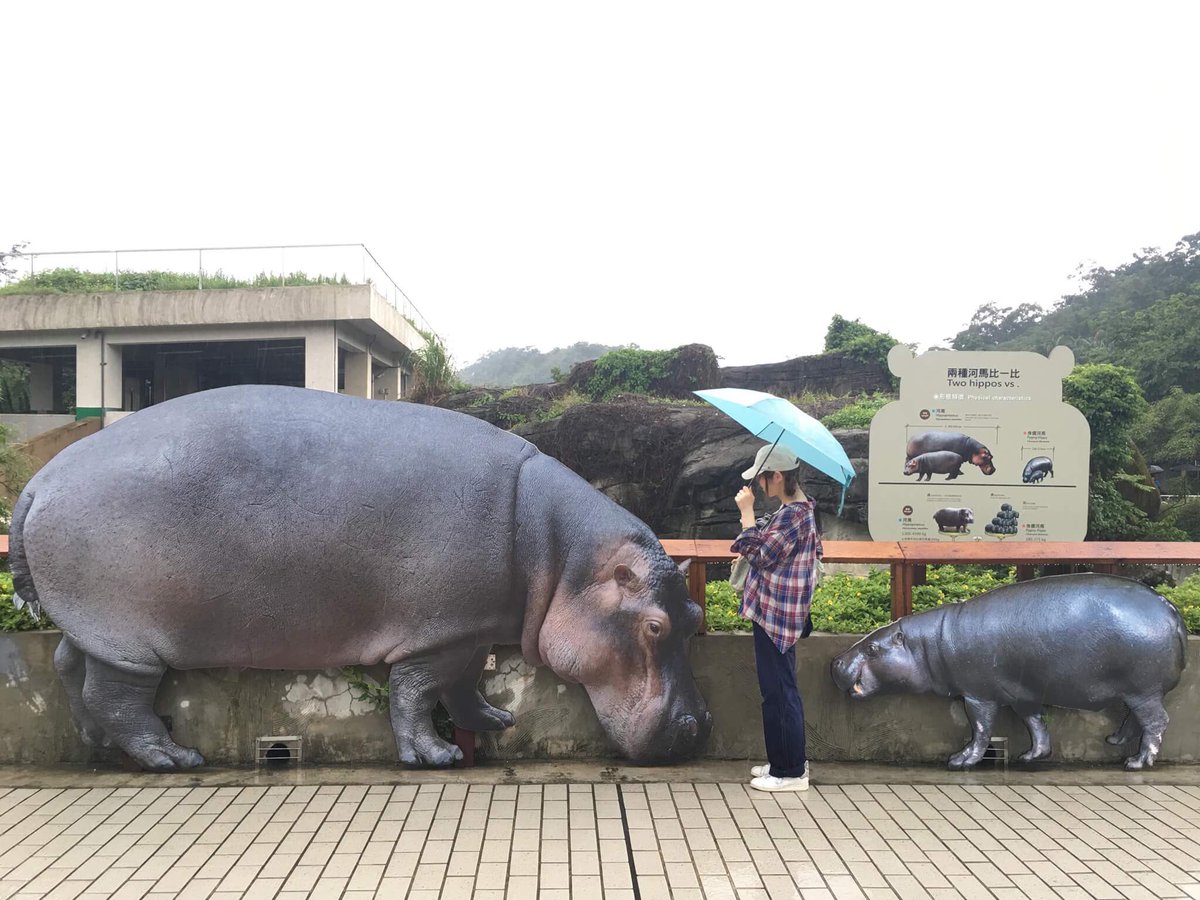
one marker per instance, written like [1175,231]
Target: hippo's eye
[872,649]
[654,628]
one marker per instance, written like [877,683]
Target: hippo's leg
[1039,736]
[71,664]
[122,702]
[1127,732]
[982,714]
[416,683]
[466,705]
[1151,715]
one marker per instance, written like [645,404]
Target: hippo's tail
[24,593]
[1181,632]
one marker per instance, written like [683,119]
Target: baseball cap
[772,459]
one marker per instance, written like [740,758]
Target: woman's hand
[745,504]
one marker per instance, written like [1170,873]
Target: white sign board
[980,446]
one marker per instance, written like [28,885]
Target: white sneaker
[771,783]
[760,771]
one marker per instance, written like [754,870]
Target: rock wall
[826,374]
[678,467]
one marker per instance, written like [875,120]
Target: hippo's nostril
[688,724]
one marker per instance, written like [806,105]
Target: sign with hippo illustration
[974,434]
[282,528]
[1076,641]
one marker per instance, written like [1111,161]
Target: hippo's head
[968,517]
[911,466]
[883,662]
[623,634]
[983,458]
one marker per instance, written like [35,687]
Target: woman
[782,555]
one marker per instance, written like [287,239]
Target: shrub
[75,281]
[1111,401]
[433,370]
[859,413]
[1113,518]
[1186,517]
[721,604]
[1186,596]
[854,339]
[628,371]
[13,619]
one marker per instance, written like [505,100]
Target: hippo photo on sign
[283,528]
[939,443]
[1037,469]
[940,462]
[1076,641]
[956,519]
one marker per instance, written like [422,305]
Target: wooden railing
[908,560]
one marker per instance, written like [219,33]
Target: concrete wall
[222,711]
[30,425]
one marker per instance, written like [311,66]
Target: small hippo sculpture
[941,462]
[283,528]
[1037,469]
[967,447]
[954,519]
[1076,641]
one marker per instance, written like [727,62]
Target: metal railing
[354,262]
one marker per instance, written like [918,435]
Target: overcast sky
[656,173]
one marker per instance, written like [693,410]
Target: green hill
[1143,315]
[528,365]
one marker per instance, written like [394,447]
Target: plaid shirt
[779,586]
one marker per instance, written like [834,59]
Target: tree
[992,325]
[1111,401]
[7,259]
[1170,432]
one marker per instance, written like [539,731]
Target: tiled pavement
[587,840]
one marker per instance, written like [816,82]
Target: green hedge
[857,604]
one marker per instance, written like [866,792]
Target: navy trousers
[782,711]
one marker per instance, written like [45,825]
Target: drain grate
[996,754]
[278,750]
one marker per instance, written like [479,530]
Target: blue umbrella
[776,420]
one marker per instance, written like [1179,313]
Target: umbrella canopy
[775,420]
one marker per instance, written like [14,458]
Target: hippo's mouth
[857,691]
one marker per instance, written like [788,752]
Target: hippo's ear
[683,567]
[899,637]
[625,577]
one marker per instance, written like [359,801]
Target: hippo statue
[941,462]
[1037,469]
[955,442]
[954,519]
[283,528]
[1077,641]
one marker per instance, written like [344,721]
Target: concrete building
[110,354]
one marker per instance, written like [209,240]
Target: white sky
[657,173]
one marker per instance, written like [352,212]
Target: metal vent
[278,750]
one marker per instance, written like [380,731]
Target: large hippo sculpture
[274,527]
[967,447]
[1078,641]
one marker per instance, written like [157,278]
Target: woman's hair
[791,481]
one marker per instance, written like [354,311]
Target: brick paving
[586,840]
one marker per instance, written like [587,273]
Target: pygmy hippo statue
[282,528]
[1077,641]
[967,447]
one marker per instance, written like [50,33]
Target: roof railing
[354,262]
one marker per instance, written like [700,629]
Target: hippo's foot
[121,702]
[1152,717]
[1033,754]
[479,717]
[966,758]
[427,750]
[1039,737]
[1127,732]
[71,665]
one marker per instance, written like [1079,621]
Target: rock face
[678,467]
[826,374]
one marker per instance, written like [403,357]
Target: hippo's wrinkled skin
[954,519]
[941,462]
[273,527]
[1037,469]
[955,442]
[1078,641]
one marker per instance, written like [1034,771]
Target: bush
[854,339]
[857,604]
[1186,596]
[75,281]
[13,619]
[1186,517]
[433,371]
[859,413]
[1111,401]
[1113,518]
